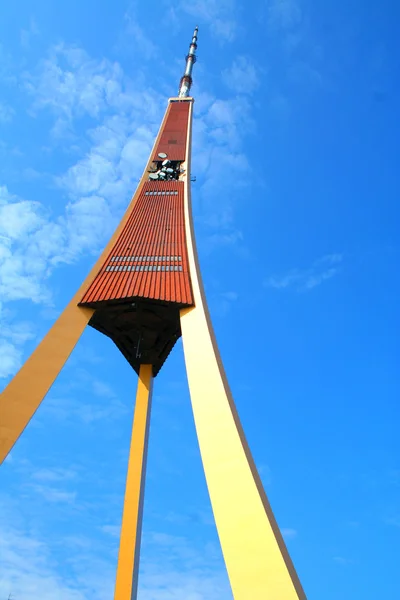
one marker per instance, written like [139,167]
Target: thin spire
[186,81]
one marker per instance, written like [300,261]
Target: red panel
[174,133]
[149,259]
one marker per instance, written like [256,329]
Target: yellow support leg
[129,548]
[23,395]
[258,564]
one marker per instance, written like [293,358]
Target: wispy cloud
[284,14]
[6,113]
[70,409]
[10,358]
[291,32]
[303,280]
[33,240]
[95,400]
[72,85]
[393,521]
[13,337]
[52,494]
[217,14]
[219,132]
[341,560]
[222,302]
[288,533]
[26,243]
[242,76]
[77,89]
[27,34]
[265,473]
[134,37]
[174,568]
[112,530]
[53,474]
[30,569]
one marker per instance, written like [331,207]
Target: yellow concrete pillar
[23,395]
[256,558]
[258,564]
[129,548]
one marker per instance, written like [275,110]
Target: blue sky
[296,206]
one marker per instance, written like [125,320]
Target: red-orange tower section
[149,258]
[145,278]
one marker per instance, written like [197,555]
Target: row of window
[144,258]
[145,268]
[167,193]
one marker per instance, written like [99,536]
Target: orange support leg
[23,395]
[129,548]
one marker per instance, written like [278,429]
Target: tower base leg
[255,555]
[129,549]
[23,395]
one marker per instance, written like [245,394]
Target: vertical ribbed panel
[149,259]
[173,136]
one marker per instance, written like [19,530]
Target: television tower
[144,292]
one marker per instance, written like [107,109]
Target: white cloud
[229,120]
[306,279]
[218,14]
[29,571]
[174,569]
[52,494]
[25,248]
[222,302]
[71,85]
[99,181]
[18,219]
[32,240]
[341,560]
[10,358]
[69,409]
[265,473]
[288,533]
[34,561]
[53,474]
[102,390]
[31,568]
[222,169]
[70,82]
[284,14]
[13,338]
[112,530]
[6,113]
[28,34]
[135,33]
[242,77]
[291,31]
[394,521]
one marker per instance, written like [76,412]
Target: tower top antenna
[186,81]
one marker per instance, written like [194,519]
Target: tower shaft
[186,81]
[144,292]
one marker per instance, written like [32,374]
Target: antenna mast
[186,81]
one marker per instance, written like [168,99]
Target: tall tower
[144,292]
